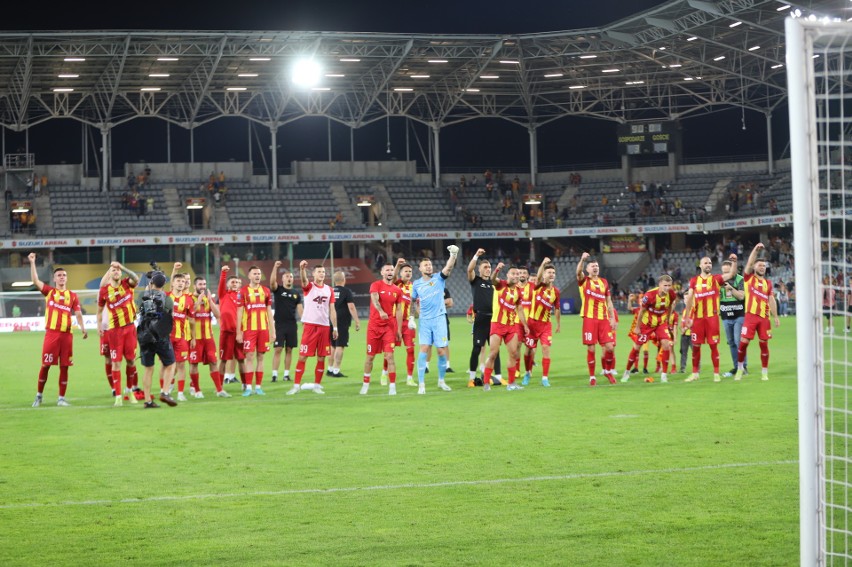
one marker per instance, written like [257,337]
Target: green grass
[634,474]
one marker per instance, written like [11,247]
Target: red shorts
[407,336]
[597,332]
[228,347]
[505,332]
[256,341]
[181,348]
[104,345]
[122,343]
[316,340]
[659,333]
[754,324]
[380,339]
[58,348]
[539,331]
[204,352]
[705,330]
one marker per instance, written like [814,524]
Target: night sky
[568,141]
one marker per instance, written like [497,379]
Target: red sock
[181,385]
[193,381]
[590,361]
[392,377]
[528,361]
[545,367]
[665,361]
[409,360]
[300,369]
[608,361]
[647,356]
[633,359]
[764,354]
[217,380]
[116,382]
[249,378]
[132,377]
[161,384]
[319,370]
[42,378]
[385,365]
[486,376]
[696,358]
[108,369]
[244,377]
[258,378]
[741,352]
[714,357]
[512,372]
[63,380]
[366,378]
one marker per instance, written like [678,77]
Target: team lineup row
[176,327]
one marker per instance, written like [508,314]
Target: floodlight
[306,73]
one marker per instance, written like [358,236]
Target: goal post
[819,68]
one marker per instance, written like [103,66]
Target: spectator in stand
[773,206]
[7,195]
[489,190]
[488,176]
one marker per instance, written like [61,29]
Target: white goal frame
[819,83]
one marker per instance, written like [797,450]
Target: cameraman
[155,327]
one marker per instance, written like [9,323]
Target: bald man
[344,304]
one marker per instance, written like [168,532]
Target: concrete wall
[304,170]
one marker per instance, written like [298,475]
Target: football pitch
[633,474]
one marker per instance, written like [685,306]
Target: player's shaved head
[339,277]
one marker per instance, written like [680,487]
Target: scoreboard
[640,138]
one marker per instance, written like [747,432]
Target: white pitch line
[447,484]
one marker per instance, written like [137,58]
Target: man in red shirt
[183,318]
[60,304]
[384,328]
[702,306]
[653,316]
[599,319]
[507,322]
[116,299]
[255,329]
[402,274]
[759,305]
[205,345]
[229,350]
[545,301]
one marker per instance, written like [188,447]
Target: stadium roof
[682,58]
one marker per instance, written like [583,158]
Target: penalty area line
[405,486]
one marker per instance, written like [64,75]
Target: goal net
[819,69]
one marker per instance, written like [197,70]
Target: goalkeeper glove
[454,250]
[411,324]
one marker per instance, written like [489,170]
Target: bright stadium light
[306,73]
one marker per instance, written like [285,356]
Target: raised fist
[277,264]
[31,257]
[400,261]
[178,265]
[303,265]
[226,268]
[584,256]
[545,261]
[480,251]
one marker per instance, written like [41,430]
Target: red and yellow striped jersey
[59,307]
[527,292]
[657,307]
[182,314]
[203,328]
[595,293]
[119,304]
[503,305]
[255,302]
[545,299]
[706,294]
[758,290]
[406,298]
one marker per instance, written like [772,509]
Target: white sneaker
[62,403]
[384,380]
[192,391]
[294,390]
[486,387]
[365,387]
[443,385]
[37,401]
[318,389]
[181,397]
[410,381]
[421,389]
[665,379]
[392,390]
[717,378]
[513,387]
[692,377]
[626,376]
[223,394]
[199,395]
[118,403]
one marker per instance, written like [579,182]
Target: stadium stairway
[392,217]
[344,205]
[718,197]
[44,217]
[177,212]
[221,220]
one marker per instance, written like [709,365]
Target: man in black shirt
[483,296]
[344,305]
[288,310]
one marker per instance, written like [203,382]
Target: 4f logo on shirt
[320,300]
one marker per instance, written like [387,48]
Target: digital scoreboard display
[646,138]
